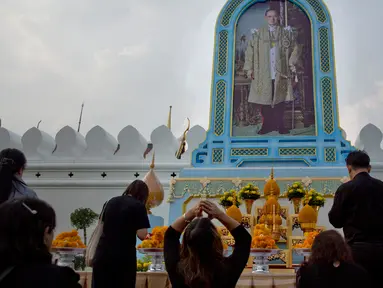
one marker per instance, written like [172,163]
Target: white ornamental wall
[72,171]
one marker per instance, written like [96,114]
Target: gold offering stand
[282,224]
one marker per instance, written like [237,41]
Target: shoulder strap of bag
[6,273]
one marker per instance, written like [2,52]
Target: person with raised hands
[199,261]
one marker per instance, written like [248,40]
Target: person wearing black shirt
[331,266]
[199,261]
[27,229]
[125,218]
[357,208]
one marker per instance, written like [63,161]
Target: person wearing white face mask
[270,60]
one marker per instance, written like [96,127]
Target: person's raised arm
[180,224]
[238,259]
[172,239]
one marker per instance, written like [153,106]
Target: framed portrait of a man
[273,92]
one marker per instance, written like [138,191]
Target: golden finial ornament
[156,190]
[271,186]
[181,150]
[271,212]
[170,118]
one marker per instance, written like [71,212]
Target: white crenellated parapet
[132,145]
[9,139]
[370,140]
[100,145]
[38,145]
[165,144]
[70,144]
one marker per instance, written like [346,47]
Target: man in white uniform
[270,59]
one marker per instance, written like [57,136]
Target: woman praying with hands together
[199,261]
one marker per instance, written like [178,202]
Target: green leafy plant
[79,263]
[296,191]
[82,219]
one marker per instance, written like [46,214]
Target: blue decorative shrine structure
[225,161]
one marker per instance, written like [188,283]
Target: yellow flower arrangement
[296,191]
[249,192]
[313,198]
[142,265]
[229,199]
[68,240]
[155,239]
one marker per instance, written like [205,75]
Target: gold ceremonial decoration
[308,218]
[271,185]
[170,118]
[182,148]
[156,190]
[271,212]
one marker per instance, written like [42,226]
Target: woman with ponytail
[12,165]
[199,261]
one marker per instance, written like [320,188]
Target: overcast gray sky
[130,59]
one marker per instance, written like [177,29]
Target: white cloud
[130,59]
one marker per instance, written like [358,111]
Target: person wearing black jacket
[26,236]
[358,208]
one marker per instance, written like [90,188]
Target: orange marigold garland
[155,239]
[309,240]
[262,238]
[68,240]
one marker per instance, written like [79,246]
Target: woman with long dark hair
[125,219]
[12,165]
[331,265]
[199,261]
[27,228]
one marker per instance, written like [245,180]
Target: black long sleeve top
[327,276]
[230,270]
[357,208]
